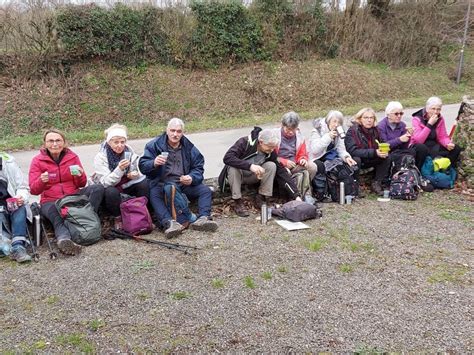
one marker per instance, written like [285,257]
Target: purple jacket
[392,136]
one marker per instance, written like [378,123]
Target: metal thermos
[37,230]
[342,193]
[264,214]
[340,132]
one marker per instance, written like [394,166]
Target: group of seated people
[267,157]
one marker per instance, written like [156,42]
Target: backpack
[338,173]
[136,218]
[300,177]
[80,218]
[178,204]
[439,179]
[402,160]
[297,211]
[320,186]
[405,184]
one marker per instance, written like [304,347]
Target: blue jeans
[201,192]
[15,223]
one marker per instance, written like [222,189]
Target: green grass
[267,275]
[96,324]
[316,244]
[249,282]
[77,341]
[180,295]
[446,273]
[143,265]
[346,268]
[52,299]
[217,283]
[282,269]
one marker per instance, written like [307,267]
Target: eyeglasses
[368,118]
[177,131]
[398,113]
[54,141]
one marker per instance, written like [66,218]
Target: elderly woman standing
[430,129]
[326,143]
[116,168]
[54,173]
[395,132]
[361,143]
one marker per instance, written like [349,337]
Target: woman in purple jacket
[395,132]
[430,130]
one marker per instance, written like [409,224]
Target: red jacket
[61,182]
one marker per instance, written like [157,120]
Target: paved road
[212,145]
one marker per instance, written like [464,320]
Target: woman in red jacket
[54,173]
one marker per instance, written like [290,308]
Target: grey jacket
[320,140]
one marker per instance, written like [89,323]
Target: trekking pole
[124,235]
[33,247]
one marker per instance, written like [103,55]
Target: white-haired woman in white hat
[116,168]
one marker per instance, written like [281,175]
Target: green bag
[80,218]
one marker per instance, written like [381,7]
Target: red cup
[12,204]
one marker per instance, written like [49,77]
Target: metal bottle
[342,193]
[264,214]
[37,229]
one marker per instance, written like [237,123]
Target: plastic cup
[384,147]
[349,199]
[127,155]
[386,194]
[12,204]
[74,169]
[164,155]
[52,176]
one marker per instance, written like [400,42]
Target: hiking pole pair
[115,233]
[33,247]
[35,208]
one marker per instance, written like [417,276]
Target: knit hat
[116,132]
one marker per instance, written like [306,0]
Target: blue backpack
[178,204]
[439,179]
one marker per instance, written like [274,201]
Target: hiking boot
[204,224]
[240,209]
[68,247]
[377,188]
[260,200]
[174,229]
[19,254]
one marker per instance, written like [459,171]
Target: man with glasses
[253,160]
[171,158]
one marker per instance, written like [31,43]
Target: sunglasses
[398,113]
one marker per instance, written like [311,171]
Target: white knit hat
[116,132]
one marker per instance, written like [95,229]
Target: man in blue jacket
[172,158]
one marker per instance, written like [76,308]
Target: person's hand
[81,171]
[303,162]
[20,201]
[298,198]
[44,177]
[433,119]
[405,138]
[450,146]
[290,164]
[159,160]
[410,130]
[124,164]
[333,134]
[380,154]
[257,170]
[185,179]
[132,175]
[350,161]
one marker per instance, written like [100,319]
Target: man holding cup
[253,160]
[172,158]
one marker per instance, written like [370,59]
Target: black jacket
[357,144]
[237,157]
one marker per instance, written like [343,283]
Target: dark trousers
[438,150]
[49,211]
[112,198]
[202,193]
[420,152]
[382,167]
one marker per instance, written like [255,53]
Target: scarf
[113,158]
[370,135]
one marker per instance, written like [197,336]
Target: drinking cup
[74,169]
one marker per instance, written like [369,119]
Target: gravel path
[366,277]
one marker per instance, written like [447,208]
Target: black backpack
[402,160]
[342,173]
[319,185]
[405,184]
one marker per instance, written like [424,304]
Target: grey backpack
[297,211]
[80,218]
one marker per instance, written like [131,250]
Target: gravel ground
[366,277]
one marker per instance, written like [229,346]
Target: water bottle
[264,214]
[342,193]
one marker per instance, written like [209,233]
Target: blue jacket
[193,160]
